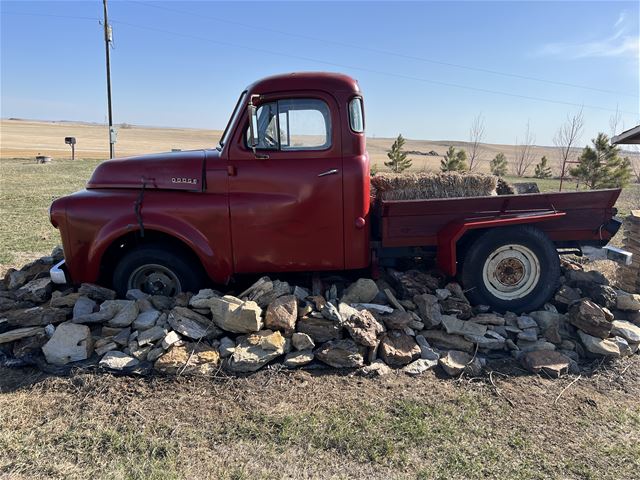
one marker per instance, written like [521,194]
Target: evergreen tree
[601,166]
[454,161]
[542,169]
[398,160]
[498,165]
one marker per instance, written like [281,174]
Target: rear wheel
[157,271]
[513,269]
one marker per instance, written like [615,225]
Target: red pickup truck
[288,189]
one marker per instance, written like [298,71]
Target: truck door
[286,200]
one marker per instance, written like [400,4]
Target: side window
[294,124]
[356,118]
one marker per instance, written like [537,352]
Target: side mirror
[252,112]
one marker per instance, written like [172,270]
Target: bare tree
[566,138]
[615,120]
[476,135]
[525,155]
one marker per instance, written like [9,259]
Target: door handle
[333,171]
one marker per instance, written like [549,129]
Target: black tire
[175,266]
[521,258]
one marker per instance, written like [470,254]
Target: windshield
[232,120]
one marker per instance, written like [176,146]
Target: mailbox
[72,142]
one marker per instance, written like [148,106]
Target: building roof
[628,137]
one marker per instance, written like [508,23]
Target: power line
[364,69]
[369,70]
[387,52]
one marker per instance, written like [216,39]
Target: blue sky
[184,63]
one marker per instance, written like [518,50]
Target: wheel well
[127,242]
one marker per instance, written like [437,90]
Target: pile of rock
[630,274]
[411,320]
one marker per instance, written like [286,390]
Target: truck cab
[286,189]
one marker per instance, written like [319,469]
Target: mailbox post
[71,141]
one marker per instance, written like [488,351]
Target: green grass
[27,190]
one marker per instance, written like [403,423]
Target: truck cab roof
[326,81]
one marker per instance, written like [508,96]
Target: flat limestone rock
[235,315]
[341,354]
[19,333]
[551,362]
[362,291]
[319,329]
[191,324]
[36,316]
[96,292]
[446,341]
[282,314]
[419,366]
[116,360]
[599,346]
[455,326]
[398,349]
[256,350]
[627,330]
[298,359]
[455,362]
[189,359]
[70,343]
[590,318]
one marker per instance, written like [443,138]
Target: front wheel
[514,269]
[157,271]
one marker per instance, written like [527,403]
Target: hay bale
[421,186]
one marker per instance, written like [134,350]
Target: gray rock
[487,343]
[442,293]
[96,292]
[151,335]
[340,354]
[627,330]
[456,326]
[628,302]
[589,317]
[70,343]
[578,278]
[161,302]
[319,329]
[203,298]
[115,360]
[154,354]
[552,363]
[38,290]
[59,299]
[330,312]
[599,346]
[525,321]
[364,290]
[36,316]
[398,349]
[191,324]
[426,352]
[528,334]
[565,296]
[226,347]
[136,294]
[146,320]
[396,320]
[125,316]
[84,306]
[122,337]
[550,324]
[446,341]
[540,344]
[298,359]
[256,350]
[105,347]
[488,319]
[18,333]
[419,366]
[302,341]
[429,309]
[300,293]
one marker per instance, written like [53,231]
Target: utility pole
[107,41]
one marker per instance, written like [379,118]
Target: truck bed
[411,223]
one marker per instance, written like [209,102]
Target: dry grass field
[279,424]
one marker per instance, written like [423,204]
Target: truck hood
[171,171]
